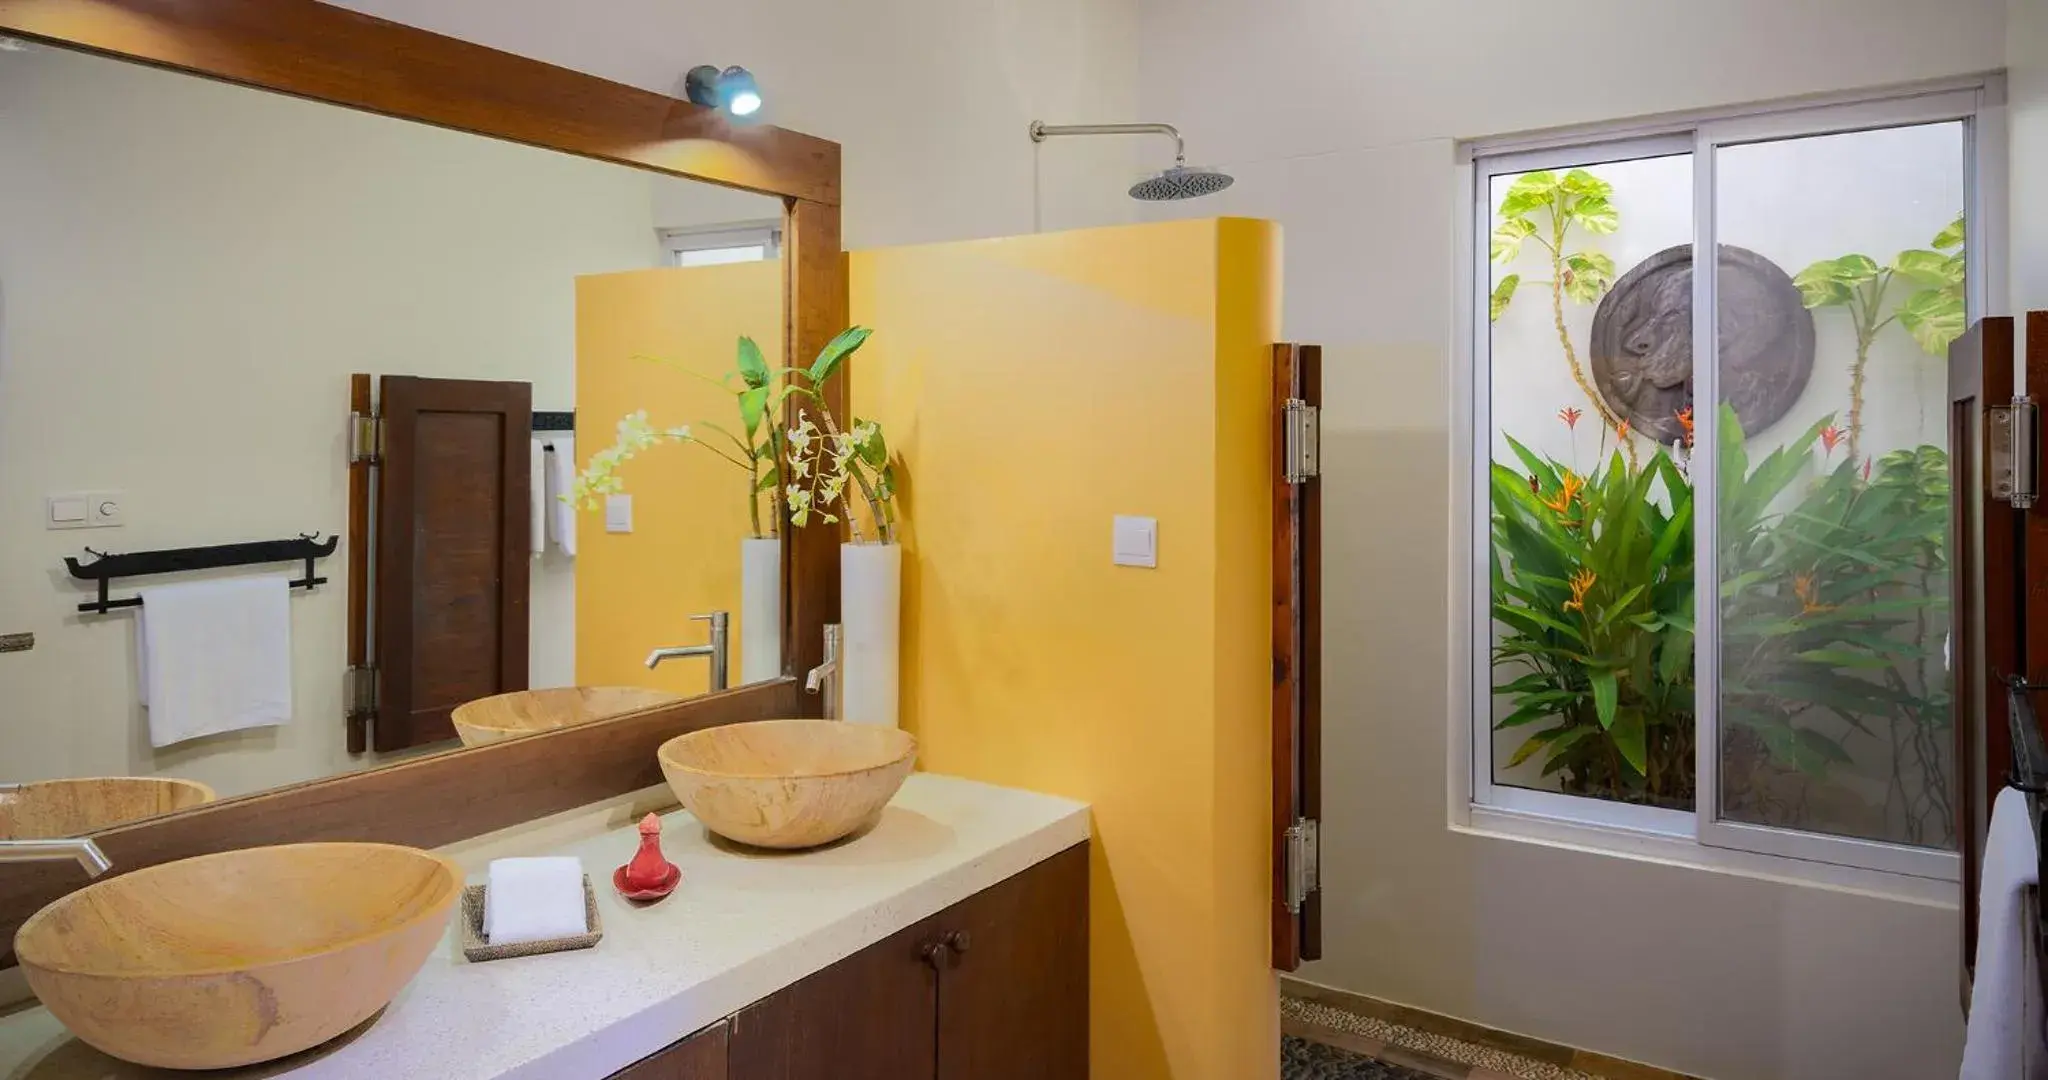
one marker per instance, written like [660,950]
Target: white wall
[190,272]
[1339,119]
[930,98]
[2026,58]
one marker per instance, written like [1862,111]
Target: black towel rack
[105,567]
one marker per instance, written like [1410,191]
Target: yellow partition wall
[635,591]
[1035,387]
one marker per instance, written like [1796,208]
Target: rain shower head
[1180,182]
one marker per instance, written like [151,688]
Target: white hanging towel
[2003,1040]
[215,656]
[562,480]
[537,496]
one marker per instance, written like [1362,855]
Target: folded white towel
[561,479]
[534,900]
[2003,1040]
[537,496]
[214,656]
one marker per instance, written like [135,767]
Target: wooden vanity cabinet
[993,988]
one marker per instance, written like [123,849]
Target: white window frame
[1598,822]
[766,235]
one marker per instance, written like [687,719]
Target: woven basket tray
[477,949]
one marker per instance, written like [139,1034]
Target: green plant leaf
[1628,737]
[1856,269]
[770,480]
[1587,275]
[835,352]
[1934,317]
[1596,215]
[753,406]
[753,368]
[1584,184]
[1820,287]
[1508,237]
[876,450]
[1930,268]
[1844,658]
[1674,654]
[1952,236]
[1605,691]
[1530,191]
[1502,293]
[1566,735]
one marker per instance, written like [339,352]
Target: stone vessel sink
[43,809]
[238,957]
[787,783]
[528,712]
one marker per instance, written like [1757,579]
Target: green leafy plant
[823,460]
[1548,208]
[1933,312]
[755,448]
[1592,583]
[1833,616]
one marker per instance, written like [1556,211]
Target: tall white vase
[760,609]
[870,609]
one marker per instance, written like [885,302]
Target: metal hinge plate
[2015,452]
[1304,862]
[365,438]
[1302,447]
[359,689]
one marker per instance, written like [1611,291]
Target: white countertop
[742,925]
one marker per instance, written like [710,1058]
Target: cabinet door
[699,1057]
[867,1017]
[1013,995]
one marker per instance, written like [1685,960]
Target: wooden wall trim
[327,53]
[426,802]
[330,54]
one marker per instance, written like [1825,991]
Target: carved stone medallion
[1641,348]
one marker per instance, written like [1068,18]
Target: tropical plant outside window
[1830,511]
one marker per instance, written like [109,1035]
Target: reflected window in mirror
[719,245]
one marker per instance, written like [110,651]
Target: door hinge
[365,438]
[2015,452]
[1304,862]
[359,689]
[1302,447]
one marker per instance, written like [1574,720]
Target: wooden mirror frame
[330,54]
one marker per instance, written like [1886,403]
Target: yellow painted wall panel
[1035,387]
[635,591]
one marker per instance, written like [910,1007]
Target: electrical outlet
[83,510]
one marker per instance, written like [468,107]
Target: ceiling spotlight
[732,90]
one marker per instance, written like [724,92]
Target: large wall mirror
[199,282]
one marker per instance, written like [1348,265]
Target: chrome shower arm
[1040,130]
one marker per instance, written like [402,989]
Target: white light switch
[1136,541]
[82,510]
[618,513]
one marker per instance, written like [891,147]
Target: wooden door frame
[329,54]
[1297,657]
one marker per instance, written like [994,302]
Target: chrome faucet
[716,649]
[825,677]
[81,848]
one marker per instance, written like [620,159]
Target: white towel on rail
[537,496]
[562,480]
[2003,1040]
[214,656]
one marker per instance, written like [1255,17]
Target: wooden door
[700,1057]
[1013,989]
[871,1016]
[1297,655]
[1984,592]
[452,551]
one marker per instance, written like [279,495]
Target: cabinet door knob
[958,941]
[934,954]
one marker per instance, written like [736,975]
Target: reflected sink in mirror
[52,808]
[238,957]
[530,712]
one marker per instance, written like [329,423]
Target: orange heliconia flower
[1582,583]
[1809,595]
[1831,437]
[1569,487]
[1685,421]
[1621,429]
[1570,416]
